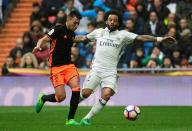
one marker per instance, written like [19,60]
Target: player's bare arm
[146,38]
[40,43]
[79,39]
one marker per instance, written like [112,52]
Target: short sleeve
[129,37]
[54,32]
[92,36]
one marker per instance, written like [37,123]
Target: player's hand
[36,49]
[169,39]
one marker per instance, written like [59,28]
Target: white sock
[97,107]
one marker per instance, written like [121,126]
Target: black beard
[111,30]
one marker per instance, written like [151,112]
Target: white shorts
[95,79]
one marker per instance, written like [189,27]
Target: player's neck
[111,30]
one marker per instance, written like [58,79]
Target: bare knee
[60,97]
[106,96]
[107,93]
[86,92]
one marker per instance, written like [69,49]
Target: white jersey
[109,47]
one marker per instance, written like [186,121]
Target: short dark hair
[131,19]
[153,11]
[75,14]
[166,57]
[114,12]
[92,24]
[36,4]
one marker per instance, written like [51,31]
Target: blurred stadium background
[156,78]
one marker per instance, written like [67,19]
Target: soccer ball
[132,112]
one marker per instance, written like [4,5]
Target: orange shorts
[62,74]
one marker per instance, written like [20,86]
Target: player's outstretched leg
[97,107]
[42,98]
[59,96]
[106,93]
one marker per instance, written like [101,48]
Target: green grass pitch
[52,118]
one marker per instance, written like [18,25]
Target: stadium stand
[31,19]
[17,24]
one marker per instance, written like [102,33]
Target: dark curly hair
[114,12]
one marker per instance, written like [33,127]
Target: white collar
[151,23]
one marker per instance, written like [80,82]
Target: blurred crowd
[149,17]
[3,7]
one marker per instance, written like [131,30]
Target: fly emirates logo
[108,42]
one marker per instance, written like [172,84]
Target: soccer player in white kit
[110,43]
